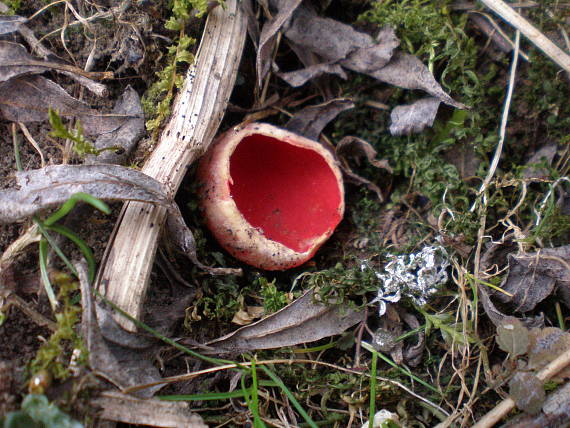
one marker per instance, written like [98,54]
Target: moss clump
[54,356]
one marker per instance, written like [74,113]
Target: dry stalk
[505,406]
[533,34]
[197,113]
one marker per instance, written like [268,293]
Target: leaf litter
[15,60]
[29,99]
[10,23]
[532,277]
[302,321]
[53,185]
[336,45]
[380,59]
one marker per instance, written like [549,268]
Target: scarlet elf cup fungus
[270,197]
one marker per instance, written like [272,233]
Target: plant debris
[310,121]
[124,138]
[53,185]
[527,391]
[302,321]
[116,356]
[513,337]
[152,412]
[29,99]
[10,23]
[415,117]
[457,230]
[535,276]
[15,61]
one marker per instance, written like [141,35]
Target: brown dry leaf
[497,317]
[15,60]
[28,99]
[126,360]
[544,154]
[11,53]
[302,321]
[247,315]
[555,412]
[463,156]
[534,276]
[406,71]
[300,77]
[181,236]
[513,337]
[545,345]
[126,135]
[415,117]
[252,23]
[47,187]
[354,147]
[335,41]
[268,36]
[527,392]
[413,353]
[10,23]
[311,120]
[149,412]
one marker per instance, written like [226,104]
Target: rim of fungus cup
[270,197]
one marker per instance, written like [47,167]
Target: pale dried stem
[508,404]
[533,34]
[196,116]
[33,142]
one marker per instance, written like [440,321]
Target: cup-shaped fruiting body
[270,197]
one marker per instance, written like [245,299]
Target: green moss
[342,285]
[54,356]
[273,298]
[13,6]
[158,98]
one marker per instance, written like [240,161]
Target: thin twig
[532,33]
[505,406]
[33,142]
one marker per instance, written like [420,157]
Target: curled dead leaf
[301,321]
[533,277]
[29,98]
[53,185]
[310,121]
[10,23]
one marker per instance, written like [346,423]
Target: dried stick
[197,113]
[533,34]
[508,404]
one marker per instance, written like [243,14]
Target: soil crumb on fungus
[270,197]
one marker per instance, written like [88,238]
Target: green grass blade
[83,247]
[372,406]
[207,396]
[54,246]
[70,204]
[257,422]
[290,396]
[369,348]
[43,250]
